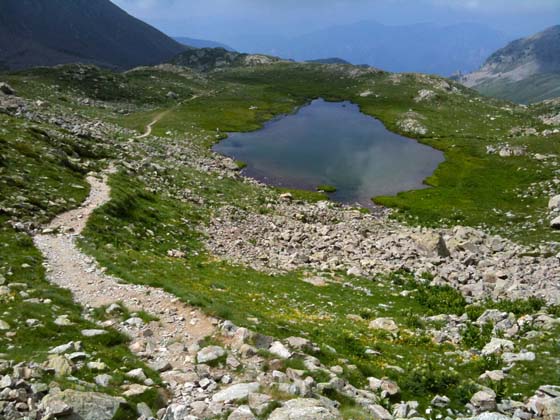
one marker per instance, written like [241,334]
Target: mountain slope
[201,43]
[50,32]
[526,70]
[424,48]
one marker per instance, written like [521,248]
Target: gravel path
[69,268]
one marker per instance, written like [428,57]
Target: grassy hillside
[167,191]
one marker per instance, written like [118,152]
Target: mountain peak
[49,32]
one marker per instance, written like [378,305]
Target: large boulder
[85,405]
[431,244]
[305,409]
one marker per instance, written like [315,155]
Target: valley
[444,304]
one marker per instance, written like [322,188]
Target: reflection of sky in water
[334,144]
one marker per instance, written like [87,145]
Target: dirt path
[69,268]
[158,117]
[150,126]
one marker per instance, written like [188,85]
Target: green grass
[326,188]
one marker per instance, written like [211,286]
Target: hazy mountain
[526,70]
[332,60]
[426,48]
[201,43]
[49,32]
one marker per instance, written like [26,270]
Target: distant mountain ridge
[201,43]
[526,70]
[421,48]
[50,32]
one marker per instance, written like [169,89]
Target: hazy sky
[223,20]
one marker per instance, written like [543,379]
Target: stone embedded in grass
[440,401]
[278,349]
[385,324]
[93,332]
[137,374]
[134,390]
[209,354]
[97,366]
[497,345]
[60,365]
[4,326]
[527,356]
[103,380]
[63,321]
[484,400]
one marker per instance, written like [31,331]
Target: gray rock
[497,345]
[85,405]
[93,333]
[103,380]
[484,400]
[137,374]
[242,413]
[278,349]
[144,410]
[161,366]
[305,409]
[487,416]
[528,356]
[6,89]
[209,354]
[431,244]
[551,409]
[386,324]
[60,365]
[440,401]
[554,203]
[4,326]
[236,392]
[378,412]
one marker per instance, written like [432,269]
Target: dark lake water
[333,144]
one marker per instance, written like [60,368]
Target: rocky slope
[531,62]
[46,33]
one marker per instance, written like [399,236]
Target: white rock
[242,412]
[209,354]
[279,350]
[497,345]
[305,409]
[236,392]
[386,324]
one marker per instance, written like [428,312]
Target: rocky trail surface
[69,268]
